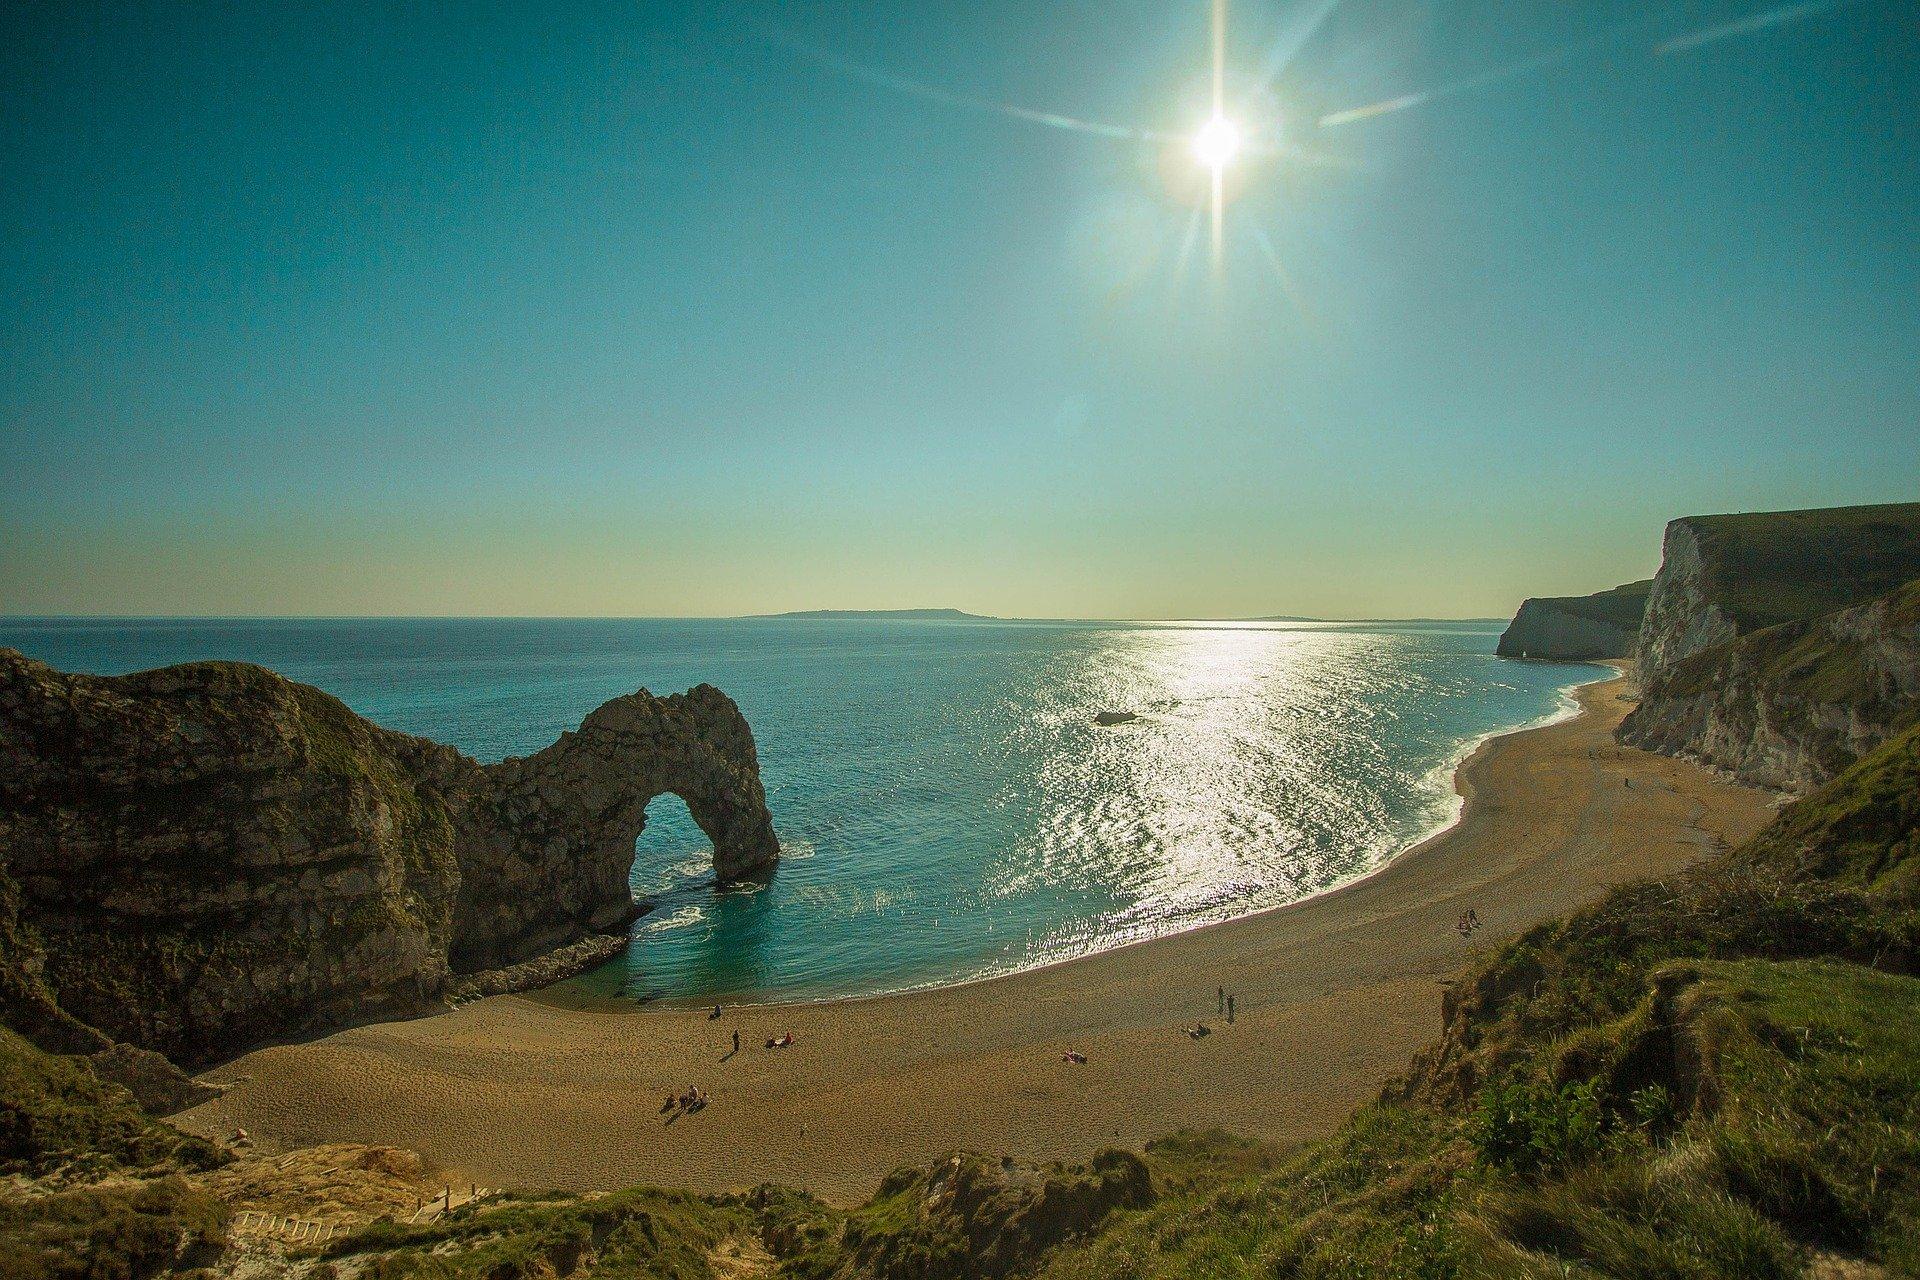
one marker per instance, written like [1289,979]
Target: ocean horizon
[948,806]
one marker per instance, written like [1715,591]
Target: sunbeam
[1290,42]
[948,97]
[1751,25]
[1497,75]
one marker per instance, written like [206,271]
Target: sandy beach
[1334,994]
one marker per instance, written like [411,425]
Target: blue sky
[646,309]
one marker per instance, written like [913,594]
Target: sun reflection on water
[975,818]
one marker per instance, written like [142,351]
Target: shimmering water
[948,807]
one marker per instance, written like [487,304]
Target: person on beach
[736,1042]
[1463,926]
[715,1015]
[1074,1056]
[1229,1006]
[1473,918]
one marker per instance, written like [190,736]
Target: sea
[948,807]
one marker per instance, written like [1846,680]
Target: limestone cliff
[204,856]
[1792,705]
[1571,628]
[1726,576]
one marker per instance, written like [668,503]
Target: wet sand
[1334,995]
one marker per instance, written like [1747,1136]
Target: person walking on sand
[736,1042]
[1229,1006]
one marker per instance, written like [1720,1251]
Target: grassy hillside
[1777,566]
[109,1195]
[1621,606]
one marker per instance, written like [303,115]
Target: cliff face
[205,856]
[1572,628]
[1722,577]
[1789,706]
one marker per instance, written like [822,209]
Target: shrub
[1525,1126]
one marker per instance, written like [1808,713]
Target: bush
[112,1233]
[1526,1127]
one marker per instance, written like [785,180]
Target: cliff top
[1776,566]
[1621,606]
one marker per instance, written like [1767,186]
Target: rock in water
[209,855]
[1114,717]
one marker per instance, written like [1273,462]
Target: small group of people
[692,1100]
[1469,921]
[782,1041]
[1224,999]
[1197,1031]
[1074,1056]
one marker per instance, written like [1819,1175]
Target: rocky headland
[1782,646]
[1722,577]
[202,857]
[1576,628]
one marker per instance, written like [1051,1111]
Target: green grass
[1622,606]
[127,1231]
[1773,567]
[56,1114]
[664,1234]
[117,1209]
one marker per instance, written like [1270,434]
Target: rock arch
[546,843]
[200,857]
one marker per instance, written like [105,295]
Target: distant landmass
[904,615]
[1351,622]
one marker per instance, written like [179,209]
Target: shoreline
[1570,707]
[1335,991]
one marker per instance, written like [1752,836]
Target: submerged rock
[1115,717]
[204,856]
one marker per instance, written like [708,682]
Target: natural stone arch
[547,844]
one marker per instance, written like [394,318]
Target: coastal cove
[948,806]
[1334,993]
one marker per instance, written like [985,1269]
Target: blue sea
[948,807]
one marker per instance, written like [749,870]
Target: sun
[1218,143]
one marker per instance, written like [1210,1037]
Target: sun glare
[1217,144]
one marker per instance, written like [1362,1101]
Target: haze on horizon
[618,309]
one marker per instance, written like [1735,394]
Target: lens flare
[1218,143]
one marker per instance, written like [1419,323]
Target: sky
[691,309]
